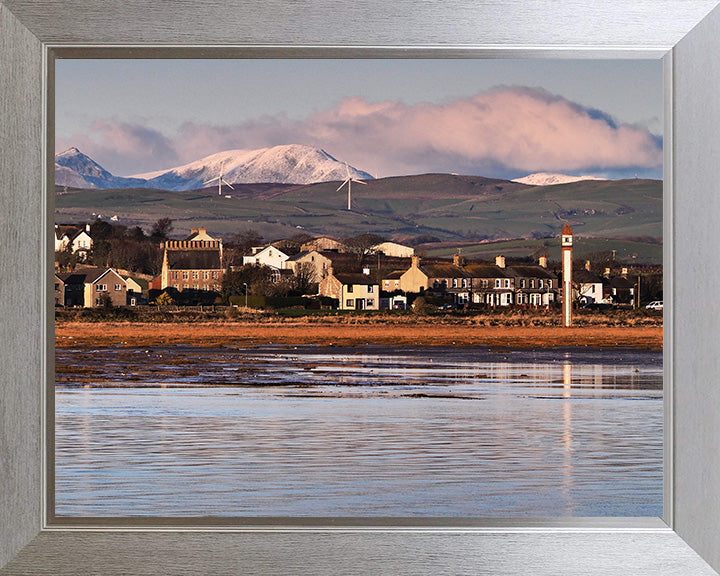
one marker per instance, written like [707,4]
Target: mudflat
[244,332]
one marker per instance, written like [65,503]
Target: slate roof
[583,276]
[621,282]
[82,275]
[443,271]
[394,275]
[531,272]
[196,259]
[486,271]
[358,279]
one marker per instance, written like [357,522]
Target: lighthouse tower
[566,241]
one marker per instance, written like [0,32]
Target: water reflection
[358,432]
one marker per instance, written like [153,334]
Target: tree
[162,228]
[291,246]
[362,243]
[305,278]
[164,300]
[257,278]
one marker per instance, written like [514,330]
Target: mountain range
[290,164]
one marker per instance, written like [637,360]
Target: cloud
[123,148]
[507,130]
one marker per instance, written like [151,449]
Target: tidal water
[358,432]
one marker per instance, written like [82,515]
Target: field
[517,330]
[447,207]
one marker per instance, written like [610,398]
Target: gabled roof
[583,276]
[84,275]
[196,259]
[443,271]
[357,279]
[621,282]
[267,249]
[485,271]
[530,272]
[394,275]
[566,231]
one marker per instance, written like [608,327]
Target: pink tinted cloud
[505,130]
[508,128]
[123,148]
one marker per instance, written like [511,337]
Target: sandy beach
[100,334]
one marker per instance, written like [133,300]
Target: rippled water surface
[366,431]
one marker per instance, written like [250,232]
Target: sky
[498,118]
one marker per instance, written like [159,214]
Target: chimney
[202,230]
[624,272]
[606,273]
[366,271]
[329,271]
[415,261]
[500,261]
[193,230]
[542,261]
[87,228]
[587,265]
[457,260]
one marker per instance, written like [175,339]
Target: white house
[267,256]
[78,239]
[353,291]
[394,249]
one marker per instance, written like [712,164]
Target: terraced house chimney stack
[542,261]
[500,261]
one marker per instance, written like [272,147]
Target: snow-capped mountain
[76,166]
[65,176]
[290,164]
[548,179]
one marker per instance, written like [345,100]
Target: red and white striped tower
[566,241]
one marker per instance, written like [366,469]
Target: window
[349,303]
[196,286]
[484,283]
[214,275]
[370,289]
[540,283]
[455,282]
[175,275]
[522,283]
[350,288]
[118,287]
[196,275]
[549,283]
[206,275]
[185,275]
[498,283]
[532,283]
[387,284]
[101,287]
[507,282]
[370,302]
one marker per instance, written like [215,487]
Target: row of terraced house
[389,273]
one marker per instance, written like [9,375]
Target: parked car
[447,307]
[655,305]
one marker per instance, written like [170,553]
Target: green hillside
[447,207]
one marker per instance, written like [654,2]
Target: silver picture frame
[684,33]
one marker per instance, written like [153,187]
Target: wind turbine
[349,181]
[220,180]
